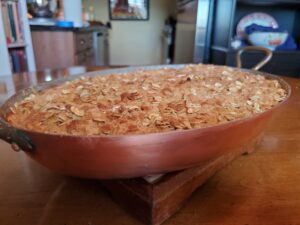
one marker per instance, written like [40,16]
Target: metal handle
[82,41]
[268,55]
[18,140]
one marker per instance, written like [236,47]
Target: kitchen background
[51,34]
[135,42]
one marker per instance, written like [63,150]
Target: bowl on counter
[268,40]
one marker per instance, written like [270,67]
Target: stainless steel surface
[193,31]
[203,31]
[101,46]
[185,32]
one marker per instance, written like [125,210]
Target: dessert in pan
[147,101]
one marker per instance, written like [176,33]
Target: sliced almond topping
[77,111]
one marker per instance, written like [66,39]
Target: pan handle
[18,140]
[268,55]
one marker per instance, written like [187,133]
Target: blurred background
[52,34]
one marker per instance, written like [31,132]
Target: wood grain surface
[260,188]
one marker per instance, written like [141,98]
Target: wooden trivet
[154,200]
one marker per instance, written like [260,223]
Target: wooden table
[260,188]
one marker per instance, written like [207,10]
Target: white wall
[135,42]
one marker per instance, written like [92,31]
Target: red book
[6,23]
[23,61]
[20,22]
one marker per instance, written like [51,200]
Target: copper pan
[106,157]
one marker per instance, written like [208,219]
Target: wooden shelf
[16,45]
[281,52]
[282,63]
[269,2]
[231,50]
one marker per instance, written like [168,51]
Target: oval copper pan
[106,157]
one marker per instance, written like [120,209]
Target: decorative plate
[262,19]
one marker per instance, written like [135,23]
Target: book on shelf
[13,26]
[18,60]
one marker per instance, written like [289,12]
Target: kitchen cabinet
[60,48]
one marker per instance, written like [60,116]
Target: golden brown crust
[147,101]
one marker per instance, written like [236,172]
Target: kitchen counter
[74,29]
[260,188]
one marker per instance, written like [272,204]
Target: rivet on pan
[15,147]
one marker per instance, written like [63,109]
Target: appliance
[193,31]
[101,46]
